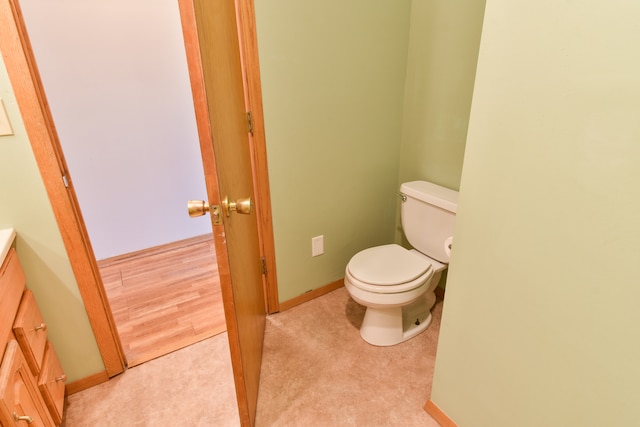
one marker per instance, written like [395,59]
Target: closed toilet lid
[387,265]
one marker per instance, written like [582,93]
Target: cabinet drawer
[51,383]
[19,395]
[12,283]
[31,332]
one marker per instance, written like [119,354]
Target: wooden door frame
[25,79]
[245,10]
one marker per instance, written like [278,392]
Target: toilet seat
[388,269]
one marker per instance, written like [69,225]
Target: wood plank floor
[164,298]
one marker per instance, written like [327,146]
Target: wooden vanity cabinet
[51,383]
[21,402]
[30,331]
[12,284]
[31,378]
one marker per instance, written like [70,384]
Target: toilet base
[390,326]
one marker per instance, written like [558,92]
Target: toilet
[396,284]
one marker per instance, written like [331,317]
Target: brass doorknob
[242,206]
[200,207]
[197,208]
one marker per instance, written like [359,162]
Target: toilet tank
[428,214]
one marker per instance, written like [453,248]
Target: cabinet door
[20,401]
[51,383]
[31,332]
[12,283]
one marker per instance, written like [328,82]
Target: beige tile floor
[316,371]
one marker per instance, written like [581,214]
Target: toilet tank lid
[431,193]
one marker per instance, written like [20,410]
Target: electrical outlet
[5,125]
[317,246]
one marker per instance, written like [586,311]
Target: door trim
[245,10]
[38,122]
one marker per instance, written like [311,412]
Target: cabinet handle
[26,418]
[62,377]
[41,326]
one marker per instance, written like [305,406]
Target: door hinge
[250,122]
[263,261]
[65,180]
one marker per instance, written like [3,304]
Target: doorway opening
[255,289]
[123,108]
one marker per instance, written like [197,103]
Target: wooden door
[213,56]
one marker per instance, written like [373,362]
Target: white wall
[116,78]
[541,325]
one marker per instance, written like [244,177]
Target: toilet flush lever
[403,197]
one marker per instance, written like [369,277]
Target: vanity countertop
[6,240]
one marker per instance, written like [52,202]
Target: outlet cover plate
[317,246]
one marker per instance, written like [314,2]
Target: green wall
[358,97]
[443,50]
[540,323]
[333,83]
[24,206]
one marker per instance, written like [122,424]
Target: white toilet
[396,284]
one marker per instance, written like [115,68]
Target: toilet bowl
[396,284]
